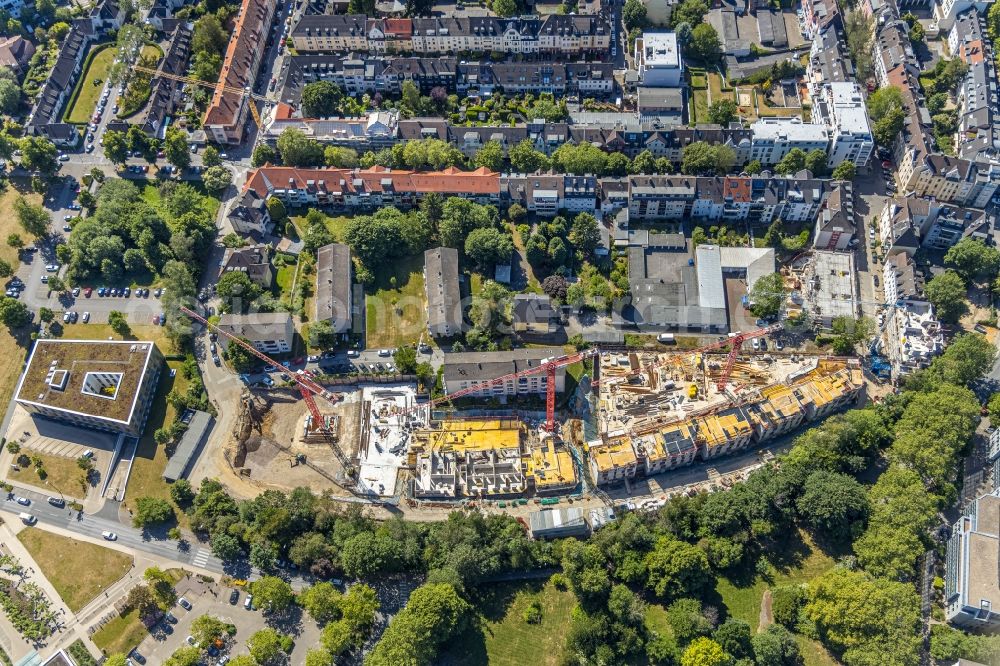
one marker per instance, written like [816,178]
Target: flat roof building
[658,60]
[971,585]
[106,385]
[558,523]
[268,332]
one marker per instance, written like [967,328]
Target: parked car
[184,603]
[109,536]
[248,602]
[234,596]
[86,317]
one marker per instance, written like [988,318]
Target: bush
[533,613]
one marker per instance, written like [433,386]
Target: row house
[226,116]
[369,188]
[374,131]
[778,410]
[485,78]
[547,194]
[901,279]
[757,199]
[167,93]
[978,136]
[907,224]
[554,34]
[835,227]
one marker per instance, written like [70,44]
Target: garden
[88,89]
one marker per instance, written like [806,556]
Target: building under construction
[487,458]
[659,412]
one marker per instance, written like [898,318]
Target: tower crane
[306,381]
[242,92]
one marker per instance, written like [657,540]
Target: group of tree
[705,159]
[885,106]
[797,159]
[556,246]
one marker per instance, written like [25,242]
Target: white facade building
[658,60]
[773,138]
[841,108]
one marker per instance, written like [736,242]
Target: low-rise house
[254,261]
[15,53]
[443,292]
[269,332]
[533,313]
[464,370]
[248,214]
[333,286]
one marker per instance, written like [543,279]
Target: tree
[117,659]
[266,646]
[321,99]
[793,162]
[580,159]
[321,601]
[844,171]
[488,246]
[151,510]
[490,156]
[226,547]
[767,295]
[705,44]
[815,162]
[175,146]
[342,158]
[185,656]
[33,218]
[972,258]
[118,323]
[834,504]
[6,270]
[723,111]
[687,621]
[209,35]
[15,241]
[702,158]
[39,154]
[211,157]
[525,159]
[776,646]
[677,569]
[272,594]
[299,150]
[318,657]
[585,234]
[263,154]
[886,129]
[217,178]
[237,291]
[321,334]
[182,493]
[946,292]
[634,14]
[10,96]
[734,637]
[207,628]
[705,652]
[56,284]
[505,8]
[263,555]
[433,614]
[406,359]
[116,146]
[45,314]
[968,357]
[885,629]
[859,29]
[555,287]
[13,313]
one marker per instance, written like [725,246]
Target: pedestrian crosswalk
[200,557]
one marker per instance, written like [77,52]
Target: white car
[86,317]
[109,536]
[23,501]
[52,268]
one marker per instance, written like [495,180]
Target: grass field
[122,634]
[88,90]
[144,332]
[397,315]
[78,570]
[501,637]
[715,87]
[10,370]
[8,220]
[64,477]
[146,479]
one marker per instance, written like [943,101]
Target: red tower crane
[306,381]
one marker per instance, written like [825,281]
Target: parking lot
[213,599]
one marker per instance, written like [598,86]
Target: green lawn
[64,476]
[88,90]
[698,110]
[78,570]
[501,637]
[397,315]
[715,86]
[122,634]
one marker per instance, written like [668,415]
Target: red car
[156,320]
[88,291]
[886,164]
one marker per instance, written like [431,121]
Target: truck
[27,518]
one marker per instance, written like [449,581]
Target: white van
[27,518]
[666,338]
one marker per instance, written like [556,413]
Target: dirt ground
[271,451]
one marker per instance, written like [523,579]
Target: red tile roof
[450,181]
[737,188]
[400,27]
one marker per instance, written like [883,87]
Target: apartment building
[464,370]
[658,60]
[913,336]
[166,93]
[268,332]
[547,194]
[226,116]
[901,279]
[374,131]
[778,413]
[248,214]
[947,12]
[553,34]
[841,109]
[971,584]
[978,136]
[835,229]
[369,188]
[105,385]
[773,138]
[253,261]
[722,433]
[443,292]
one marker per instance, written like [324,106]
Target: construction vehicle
[306,381]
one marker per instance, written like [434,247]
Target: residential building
[971,586]
[841,108]
[547,194]
[612,461]
[370,188]
[909,223]
[443,292]
[106,385]
[334,287]
[657,104]
[45,118]
[533,313]
[227,113]
[901,279]
[724,432]
[773,138]
[777,413]
[166,93]
[559,79]
[817,12]
[248,214]
[658,60]
[16,52]
[946,12]
[254,261]
[830,288]
[269,332]
[469,458]
[913,335]
[376,130]
[667,448]
[835,228]
[464,370]
[978,136]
